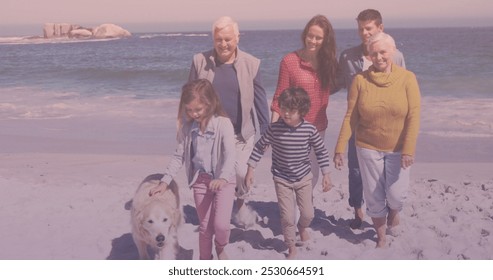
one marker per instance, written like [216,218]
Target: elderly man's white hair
[224,22]
[381,37]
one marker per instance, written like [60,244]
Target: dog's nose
[160,238]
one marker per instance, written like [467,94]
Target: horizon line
[21,29]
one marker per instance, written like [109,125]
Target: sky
[198,15]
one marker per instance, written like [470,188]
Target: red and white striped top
[294,72]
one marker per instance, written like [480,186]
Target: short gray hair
[381,37]
[224,22]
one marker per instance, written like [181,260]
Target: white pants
[385,183]
[243,151]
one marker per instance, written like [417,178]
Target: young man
[351,62]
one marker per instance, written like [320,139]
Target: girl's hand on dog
[161,187]
[215,184]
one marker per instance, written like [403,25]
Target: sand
[68,173]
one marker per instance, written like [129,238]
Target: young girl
[207,147]
[292,138]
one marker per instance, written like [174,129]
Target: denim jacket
[223,155]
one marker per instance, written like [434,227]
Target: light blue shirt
[202,143]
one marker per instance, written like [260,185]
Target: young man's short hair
[370,15]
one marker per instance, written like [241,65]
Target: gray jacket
[252,94]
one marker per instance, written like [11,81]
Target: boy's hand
[326,183]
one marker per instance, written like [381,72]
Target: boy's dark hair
[370,14]
[295,99]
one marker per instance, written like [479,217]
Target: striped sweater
[291,148]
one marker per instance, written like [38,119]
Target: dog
[155,219]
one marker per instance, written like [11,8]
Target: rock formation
[80,33]
[60,30]
[110,31]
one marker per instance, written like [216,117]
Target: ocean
[108,89]
[452,62]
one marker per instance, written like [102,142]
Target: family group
[223,106]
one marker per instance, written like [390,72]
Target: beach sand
[67,180]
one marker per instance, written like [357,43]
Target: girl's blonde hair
[202,90]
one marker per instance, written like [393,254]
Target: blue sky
[197,15]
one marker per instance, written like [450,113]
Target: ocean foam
[40,40]
[440,116]
[31,104]
[157,35]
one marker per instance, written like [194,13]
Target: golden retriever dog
[155,219]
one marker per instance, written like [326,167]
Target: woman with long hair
[313,68]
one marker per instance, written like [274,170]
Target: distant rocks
[110,31]
[80,33]
[60,30]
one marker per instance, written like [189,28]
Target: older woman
[383,112]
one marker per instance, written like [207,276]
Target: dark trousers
[354,176]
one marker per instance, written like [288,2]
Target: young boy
[291,139]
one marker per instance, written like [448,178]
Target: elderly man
[351,62]
[236,78]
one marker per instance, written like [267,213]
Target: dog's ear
[139,219]
[173,186]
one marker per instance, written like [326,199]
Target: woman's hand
[338,161]
[407,161]
[216,184]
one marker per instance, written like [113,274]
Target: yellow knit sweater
[383,110]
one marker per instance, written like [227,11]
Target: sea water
[60,78]
[454,62]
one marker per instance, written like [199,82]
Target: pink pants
[214,210]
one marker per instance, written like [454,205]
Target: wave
[30,40]
[152,36]
[34,104]
[197,35]
[459,134]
